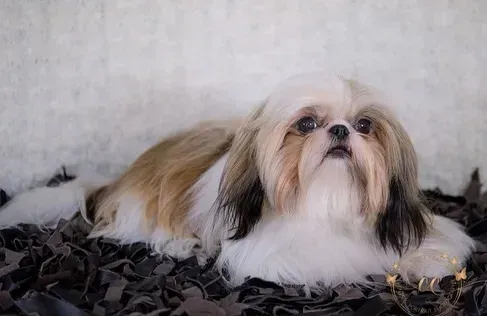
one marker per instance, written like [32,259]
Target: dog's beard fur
[271,201]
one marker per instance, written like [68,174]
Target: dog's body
[281,202]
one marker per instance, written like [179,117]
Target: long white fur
[326,243]
[45,206]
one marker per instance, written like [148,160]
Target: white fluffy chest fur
[302,252]
[327,241]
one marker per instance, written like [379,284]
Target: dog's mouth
[339,151]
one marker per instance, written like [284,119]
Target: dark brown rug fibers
[60,272]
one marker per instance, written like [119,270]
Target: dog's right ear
[241,193]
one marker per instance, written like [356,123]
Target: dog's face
[314,135]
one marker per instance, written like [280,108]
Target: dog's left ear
[403,222]
[241,193]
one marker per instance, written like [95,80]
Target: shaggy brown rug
[61,272]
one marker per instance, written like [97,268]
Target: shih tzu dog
[317,187]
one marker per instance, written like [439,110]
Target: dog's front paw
[429,264]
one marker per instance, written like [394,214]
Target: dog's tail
[45,206]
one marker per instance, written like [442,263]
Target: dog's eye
[306,125]
[363,126]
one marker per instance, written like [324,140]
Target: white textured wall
[97,82]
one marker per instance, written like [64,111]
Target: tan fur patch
[163,176]
[288,181]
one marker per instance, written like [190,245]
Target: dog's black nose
[339,131]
